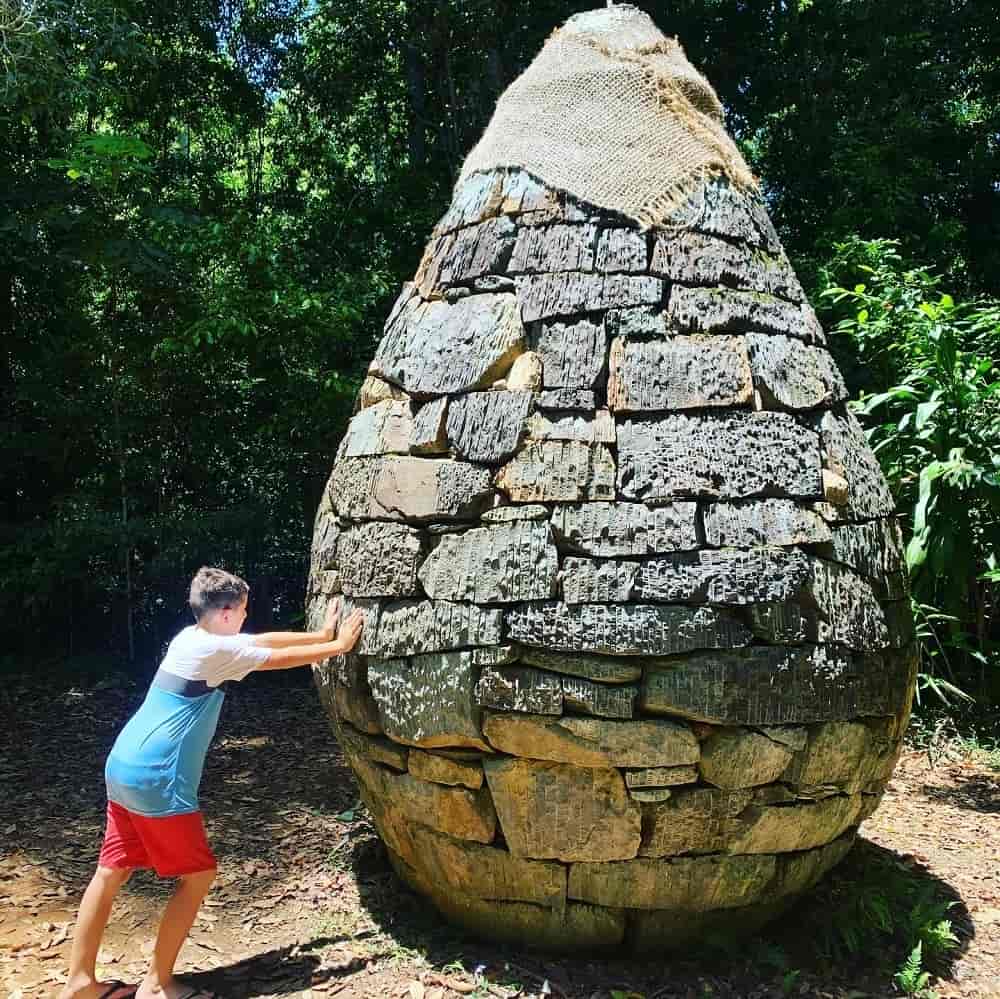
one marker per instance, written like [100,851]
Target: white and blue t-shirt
[155,765]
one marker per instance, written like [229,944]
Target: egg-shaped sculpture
[638,651]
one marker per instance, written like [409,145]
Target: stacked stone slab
[637,657]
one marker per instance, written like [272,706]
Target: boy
[154,769]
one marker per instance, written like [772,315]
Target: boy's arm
[291,639]
[303,655]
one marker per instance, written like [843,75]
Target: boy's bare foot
[174,989]
[88,988]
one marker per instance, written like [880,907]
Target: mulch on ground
[306,905]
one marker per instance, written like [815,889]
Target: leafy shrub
[928,370]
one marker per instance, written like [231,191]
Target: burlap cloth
[612,112]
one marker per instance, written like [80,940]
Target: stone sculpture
[638,655]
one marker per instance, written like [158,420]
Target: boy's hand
[333,610]
[350,631]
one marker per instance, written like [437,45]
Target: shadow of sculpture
[854,929]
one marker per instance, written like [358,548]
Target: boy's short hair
[215,589]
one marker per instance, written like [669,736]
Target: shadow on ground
[854,930]
[980,794]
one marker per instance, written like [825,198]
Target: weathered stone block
[581,928]
[789,374]
[325,583]
[874,549]
[795,737]
[373,391]
[628,629]
[365,572]
[526,373]
[519,688]
[679,372]
[559,470]
[653,930]
[507,514]
[848,611]
[551,810]
[839,607]
[384,428]
[605,669]
[784,828]
[326,534]
[455,811]
[717,577]
[621,251]
[554,248]
[434,348]
[783,624]
[572,353]
[504,563]
[750,523]
[598,428]
[415,626]
[721,310]
[504,192]
[720,209]
[442,770]
[567,294]
[345,693]
[774,686]
[487,426]
[566,398]
[696,884]
[732,758]
[626,528]
[593,742]
[798,872]
[428,700]
[637,324]
[599,698]
[718,456]
[406,488]
[375,748]
[462,256]
[844,756]
[695,820]
[846,452]
[428,435]
[486,872]
[653,778]
[695,258]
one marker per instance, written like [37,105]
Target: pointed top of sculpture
[619,25]
[612,113]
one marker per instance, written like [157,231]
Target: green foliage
[934,422]
[911,978]
[884,902]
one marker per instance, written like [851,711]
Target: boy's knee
[112,877]
[201,878]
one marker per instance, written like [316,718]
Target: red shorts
[173,845]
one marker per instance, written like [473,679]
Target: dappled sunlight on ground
[306,905]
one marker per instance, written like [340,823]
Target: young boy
[154,769]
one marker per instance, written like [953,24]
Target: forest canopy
[208,207]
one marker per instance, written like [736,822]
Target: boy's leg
[178,847]
[121,852]
[178,917]
[95,909]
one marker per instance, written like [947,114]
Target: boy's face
[229,620]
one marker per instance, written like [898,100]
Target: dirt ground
[306,905]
